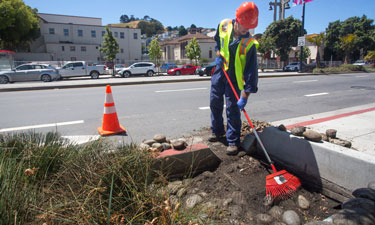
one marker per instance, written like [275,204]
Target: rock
[303,203]
[268,201]
[353,217]
[263,218]
[158,146]
[144,146]
[235,210]
[290,217]
[173,187]
[312,136]
[241,154]
[342,143]
[227,201]
[207,174]
[319,223]
[324,137]
[173,200]
[192,201]
[238,198]
[278,223]
[367,193]
[160,138]
[371,185]
[362,203]
[276,212]
[331,133]
[149,142]
[249,216]
[179,145]
[181,192]
[282,127]
[298,130]
[203,194]
[166,146]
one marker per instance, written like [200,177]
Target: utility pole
[283,4]
[301,69]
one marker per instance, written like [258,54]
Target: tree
[110,47]
[266,46]
[306,53]
[146,18]
[169,28]
[317,40]
[370,55]
[154,51]
[19,25]
[150,28]
[347,45]
[193,26]
[182,31]
[285,34]
[124,19]
[193,50]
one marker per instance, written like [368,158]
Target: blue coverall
[221,87]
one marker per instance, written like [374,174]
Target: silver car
[29,72]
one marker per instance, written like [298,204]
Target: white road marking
[191,89]
[207,107]
[42,126]
[362,76]
[317,94]
[304,81]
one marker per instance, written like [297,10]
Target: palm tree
[317,39]
[347,44]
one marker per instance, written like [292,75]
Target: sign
[301,41]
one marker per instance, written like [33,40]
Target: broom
[278,184]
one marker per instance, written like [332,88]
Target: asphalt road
[176,109]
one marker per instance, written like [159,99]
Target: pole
[302,34]
[274,11]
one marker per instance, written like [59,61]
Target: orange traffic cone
[110,120]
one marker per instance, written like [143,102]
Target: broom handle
[251,124]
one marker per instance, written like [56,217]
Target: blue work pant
[219,88]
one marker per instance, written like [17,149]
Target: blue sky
[205,13]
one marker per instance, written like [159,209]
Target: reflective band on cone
[111,124]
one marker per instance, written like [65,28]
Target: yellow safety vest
[225,32]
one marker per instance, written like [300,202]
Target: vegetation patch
[345,68]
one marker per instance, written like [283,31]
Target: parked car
[80,69]
[165,67]
[294,66]
[183,70]
[145,68]
[361,63]
[207,69]
[29,72]
[118,67]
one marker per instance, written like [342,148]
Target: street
[176,109]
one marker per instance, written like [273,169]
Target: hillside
[132,24]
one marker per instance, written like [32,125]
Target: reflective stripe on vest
[225,31]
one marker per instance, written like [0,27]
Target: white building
[69,38]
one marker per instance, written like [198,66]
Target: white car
[81,68]
[145,68]
[360,63]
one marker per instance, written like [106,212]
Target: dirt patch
[240,182]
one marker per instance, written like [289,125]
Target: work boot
[232,150]
[215,138]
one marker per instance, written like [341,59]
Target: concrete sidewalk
[355,124]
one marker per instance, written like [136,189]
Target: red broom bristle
[281,184]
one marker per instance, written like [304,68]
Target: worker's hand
[242,102]
[219,61]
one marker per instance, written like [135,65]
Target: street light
[283,4]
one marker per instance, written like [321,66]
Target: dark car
[206,70]
[183,70]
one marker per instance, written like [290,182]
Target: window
[73,58]
[122,50]
[51,30]
[122,35]
[62,48]
[116,34]
[24,67]
[38,67]
[80,33]
[103,32]
[210,54]
[72,48]
[93,33]
[135,36]
[83,48]
[66,32]
[77,64]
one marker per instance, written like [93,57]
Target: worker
[236,53]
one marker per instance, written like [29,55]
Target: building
[69,38]
[175,49]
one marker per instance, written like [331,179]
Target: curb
[331,169]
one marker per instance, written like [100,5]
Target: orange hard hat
[247,15]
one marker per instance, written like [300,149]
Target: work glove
[242,102]
[219,61]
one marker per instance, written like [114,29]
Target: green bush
[344,68]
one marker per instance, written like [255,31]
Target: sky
[205,13]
